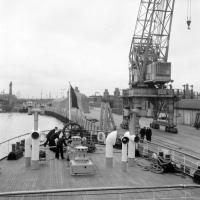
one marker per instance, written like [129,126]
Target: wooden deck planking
[55,174]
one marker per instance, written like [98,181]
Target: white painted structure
[28,150]
[110,141]
[32,144]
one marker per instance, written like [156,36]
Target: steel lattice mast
[150,42]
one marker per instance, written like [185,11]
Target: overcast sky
[44,44]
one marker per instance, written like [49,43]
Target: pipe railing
[175,150]
[187,162]
[6,146]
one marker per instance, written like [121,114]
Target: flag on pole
[74,102]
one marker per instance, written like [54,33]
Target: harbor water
[14,124]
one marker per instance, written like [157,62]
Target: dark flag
[73,96]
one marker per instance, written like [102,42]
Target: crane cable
[189,9]
[188,13]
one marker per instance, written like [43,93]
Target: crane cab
[158,72]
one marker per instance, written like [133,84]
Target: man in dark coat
[60,141]
[52,143]
[142,133]
[50,133]
[148,134]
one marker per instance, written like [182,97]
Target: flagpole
[70,102]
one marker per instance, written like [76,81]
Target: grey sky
[46,43]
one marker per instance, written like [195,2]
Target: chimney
[117,92]
[10,88]
[76,89]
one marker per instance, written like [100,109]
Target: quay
[188,138]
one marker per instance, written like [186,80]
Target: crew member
[52,138]
[50,133]
[60,141]
[142,133]
[148,134]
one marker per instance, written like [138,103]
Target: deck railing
[188,163]
[6,146]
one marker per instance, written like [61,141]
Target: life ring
[101,137]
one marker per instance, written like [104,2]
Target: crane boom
[150,42]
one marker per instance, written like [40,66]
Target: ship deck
[55,174]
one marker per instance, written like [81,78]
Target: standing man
[50,133]
[60,141]
[148,134]
[142,133]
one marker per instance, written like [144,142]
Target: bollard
[13,147]
[17,146]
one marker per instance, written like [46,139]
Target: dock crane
[150,80]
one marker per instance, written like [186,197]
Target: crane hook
[188,23]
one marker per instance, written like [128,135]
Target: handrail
[187,163]
[5,146]
[175,150]
[100,189]
[19,137]
[14,138]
